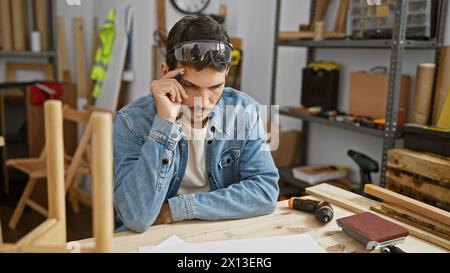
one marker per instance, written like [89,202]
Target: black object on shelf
[288,111]
[424,139]
[320,88]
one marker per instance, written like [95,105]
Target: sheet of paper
[172,241]
[281,244]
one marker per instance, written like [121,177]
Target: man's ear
[164,69]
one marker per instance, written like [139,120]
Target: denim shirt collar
[217,115]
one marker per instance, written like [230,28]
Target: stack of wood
[414,213]
[422,176]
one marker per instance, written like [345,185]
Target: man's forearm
[240,200]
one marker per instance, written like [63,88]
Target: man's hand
[168,93]
[164,216]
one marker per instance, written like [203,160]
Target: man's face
[204,89]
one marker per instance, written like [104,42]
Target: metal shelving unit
[397,45]
[50,55]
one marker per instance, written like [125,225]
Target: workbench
[284,221]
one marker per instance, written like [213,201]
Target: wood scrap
[19,24]
[420,219]
[321,10]
[61,48]
[419,188]
[80,56]
[341,17]
[408,203]
[427,165]
[289,36]
[409,222]
[5,22]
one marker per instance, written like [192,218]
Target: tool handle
[303,204]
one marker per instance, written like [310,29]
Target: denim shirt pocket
[229,165]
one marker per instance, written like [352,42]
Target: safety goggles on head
[196,51]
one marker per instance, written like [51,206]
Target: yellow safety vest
[107,35]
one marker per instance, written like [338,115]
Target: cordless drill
[322,209]
[366,166]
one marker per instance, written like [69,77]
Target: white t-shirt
[195,178]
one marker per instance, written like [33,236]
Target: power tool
[322,209]
[366,166]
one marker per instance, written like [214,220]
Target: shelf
[346,43]
[287,176]
[26,54]
[287,111]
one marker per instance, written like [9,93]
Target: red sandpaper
[374,227]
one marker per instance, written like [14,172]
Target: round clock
[190,6]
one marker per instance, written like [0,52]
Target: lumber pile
[434,220]
[410,211]
[421,176]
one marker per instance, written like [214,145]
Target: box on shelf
[369,94]
[320,85]
[424,139]
[376,22]
[317,174]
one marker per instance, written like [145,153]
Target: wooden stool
[51,235]
[36,169]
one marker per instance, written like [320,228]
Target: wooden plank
[19,24]
[80,56]
[420,219]
[418,187]
[41,22]
[358,204]
[61,48]
[408,203]
[427,165]
[321,10]
[5,21]
[288,36]
[409,222]
[341,16]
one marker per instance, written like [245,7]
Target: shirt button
[213,129]
[209,174]
[165,161]
[209,141]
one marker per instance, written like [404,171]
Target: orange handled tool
[322,209]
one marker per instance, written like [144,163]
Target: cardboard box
[368,94]
[284,145]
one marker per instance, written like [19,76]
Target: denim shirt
[150,158]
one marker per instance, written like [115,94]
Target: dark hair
[191,28]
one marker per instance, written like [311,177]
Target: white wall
[253,21]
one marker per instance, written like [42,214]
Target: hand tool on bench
[374,232]
[366,166]
[322,209]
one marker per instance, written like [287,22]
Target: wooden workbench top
[283,221]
